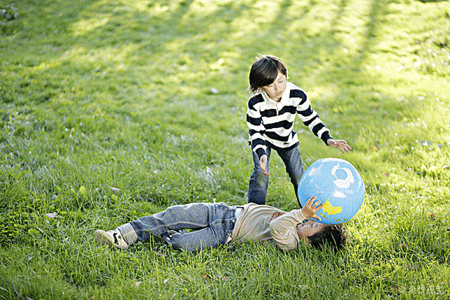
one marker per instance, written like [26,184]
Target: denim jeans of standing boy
[212,224]
[257,189]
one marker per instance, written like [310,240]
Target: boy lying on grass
[217,224]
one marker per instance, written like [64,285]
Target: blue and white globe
[336,183]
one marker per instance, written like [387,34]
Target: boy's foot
[111,238]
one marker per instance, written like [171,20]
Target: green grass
[111,110]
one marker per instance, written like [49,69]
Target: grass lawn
[113,109]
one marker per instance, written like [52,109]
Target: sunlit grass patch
[112,110]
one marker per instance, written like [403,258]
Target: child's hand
[340,144]
[263,164]
[311,208]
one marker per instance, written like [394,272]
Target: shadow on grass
[167,38]
[184,50]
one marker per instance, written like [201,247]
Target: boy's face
[309,228]
[276,89]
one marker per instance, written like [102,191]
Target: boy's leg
[179,217]
[212,236]
[215,221]
[257,187]
[294,167]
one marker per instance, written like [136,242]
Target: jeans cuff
[128,233]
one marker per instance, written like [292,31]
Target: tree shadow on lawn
[333,67]
[180,52]
[179,49]
[173,37]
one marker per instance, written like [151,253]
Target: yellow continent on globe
[330,209]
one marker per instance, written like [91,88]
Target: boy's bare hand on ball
[311,208]
[263,164]
[339,144]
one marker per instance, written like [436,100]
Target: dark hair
[264,71]
[331,235]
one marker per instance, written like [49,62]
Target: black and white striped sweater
[271,123]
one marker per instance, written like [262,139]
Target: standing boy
[270,119]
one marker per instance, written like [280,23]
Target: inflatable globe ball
[336,183]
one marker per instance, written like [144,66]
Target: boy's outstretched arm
[339,144]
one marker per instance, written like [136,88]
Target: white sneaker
[111,238]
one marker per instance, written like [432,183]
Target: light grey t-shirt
[267,223]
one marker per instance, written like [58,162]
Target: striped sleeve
[309,117]
[256,129]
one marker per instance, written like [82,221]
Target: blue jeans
[213,224]
[257,188]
